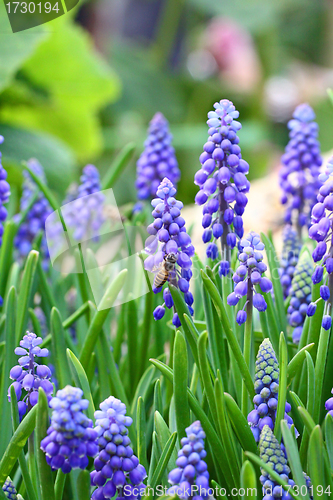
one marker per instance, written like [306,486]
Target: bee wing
[157,267]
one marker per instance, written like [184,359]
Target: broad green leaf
[233,343]
[283,361]
[44,470]
[81,380]
[16,48]
[180,381]
[59,348]
[163,461]
[293,459]
[248,480]
[68,115]
[99,318]
[25,293]
[17,443]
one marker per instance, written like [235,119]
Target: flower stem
[247,341]
[59,485]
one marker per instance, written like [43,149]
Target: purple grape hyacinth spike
[249,274]
[329,405]
[28,375]
[266,386]
[35,219]
[117,470]
[85,215]
[301,167]
[300,295]
[223,184]
[70,438]
[169,245]
[9,489]
[158,160]
[273,455]
[289,258]
[191,472]
[4,194]
[321,231]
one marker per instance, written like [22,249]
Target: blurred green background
[77,89]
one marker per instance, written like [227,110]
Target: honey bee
[164,270]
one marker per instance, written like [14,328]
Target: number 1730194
[32,7]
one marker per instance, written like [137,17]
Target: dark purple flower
[170,249]
[191,467]
[301,161]
[223,184]
[28,374]
[326,322]
[248,275]
[117,469]
[158,159]
[34,222]
[70,438]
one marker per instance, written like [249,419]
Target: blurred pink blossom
[235,53]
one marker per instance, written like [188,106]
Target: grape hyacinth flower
[329,405]
[191,467]
[223,184]
[273,455]
[117,469]
[4,194]
[34,222]
[266,386]
[299,173]
[70,438]
[85,215]
[247,275]
[289,258]
[321,232]
[158,160]
[300,295]
[28,374]
[169,238]
[9,489]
